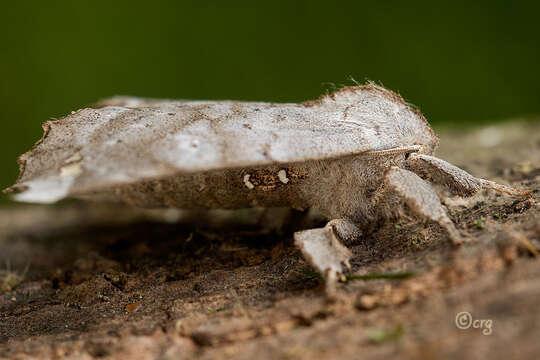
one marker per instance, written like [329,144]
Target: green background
[459,62]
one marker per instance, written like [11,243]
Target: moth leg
[324,249]
[457,180]
[405,187]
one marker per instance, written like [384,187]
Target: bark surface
[83,281]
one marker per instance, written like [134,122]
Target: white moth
[357,156]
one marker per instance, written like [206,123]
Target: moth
[358,155]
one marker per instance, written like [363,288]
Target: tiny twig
[525,242]
[397,275]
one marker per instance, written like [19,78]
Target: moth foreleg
[457,180]
[405,187]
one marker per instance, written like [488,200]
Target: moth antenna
[487,184]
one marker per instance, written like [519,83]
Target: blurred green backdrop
[459,62]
